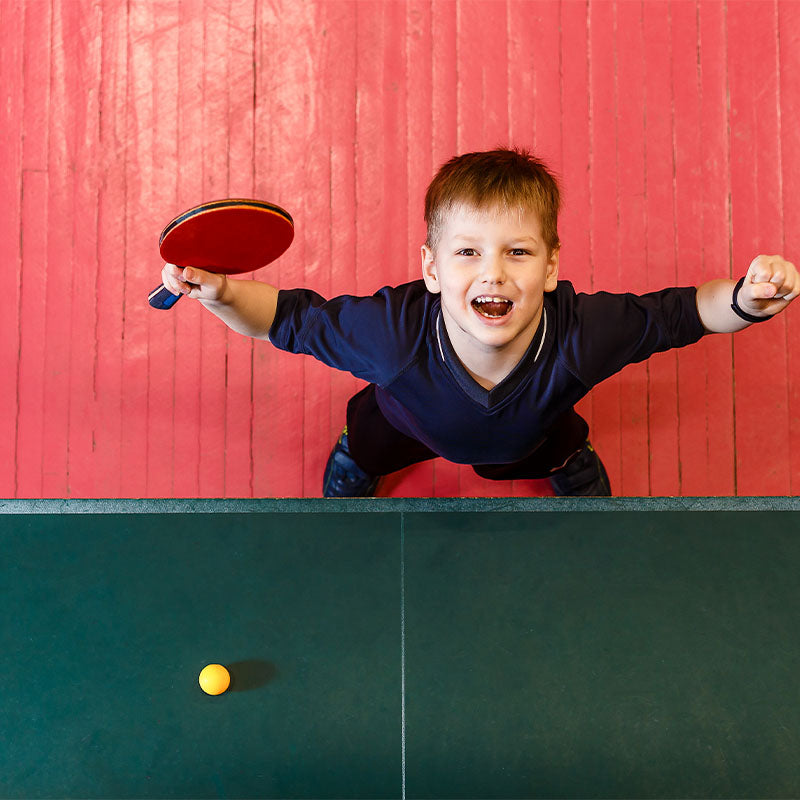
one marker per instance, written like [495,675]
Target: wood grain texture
[12,19]
[84,28]
[789,70]
[668,122]
[632,178]
[761,417]
[108,473]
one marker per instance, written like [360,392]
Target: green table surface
[504,648]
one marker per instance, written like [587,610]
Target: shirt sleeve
[603,332]
[371,337]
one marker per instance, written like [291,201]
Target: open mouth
[491,306]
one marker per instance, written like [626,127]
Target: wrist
[738,310]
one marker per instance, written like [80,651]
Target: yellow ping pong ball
[214,679]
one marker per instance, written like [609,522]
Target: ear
[551,275]
[429,270]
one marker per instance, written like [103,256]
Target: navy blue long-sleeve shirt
[397,340]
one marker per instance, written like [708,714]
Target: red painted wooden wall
[673,125]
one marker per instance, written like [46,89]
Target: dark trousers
[379,448]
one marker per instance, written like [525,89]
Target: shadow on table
[251,674]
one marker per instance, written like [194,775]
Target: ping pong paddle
[224,236]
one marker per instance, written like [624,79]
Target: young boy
[482,361]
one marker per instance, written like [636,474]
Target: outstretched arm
[771,283]
[247,307]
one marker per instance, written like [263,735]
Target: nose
[494,270]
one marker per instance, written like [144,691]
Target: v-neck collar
[489,398]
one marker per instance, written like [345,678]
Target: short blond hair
[505,178]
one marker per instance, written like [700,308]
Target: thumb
[194,275]
[201,277]
[204,285]
[764,291]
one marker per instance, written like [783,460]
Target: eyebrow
[467,238]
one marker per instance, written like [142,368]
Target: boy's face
[492,269]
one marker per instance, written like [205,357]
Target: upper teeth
[485,299]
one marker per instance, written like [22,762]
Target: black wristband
[738,311]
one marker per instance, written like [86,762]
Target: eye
[520,251]
[467,251]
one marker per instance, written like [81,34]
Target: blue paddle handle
[162,298]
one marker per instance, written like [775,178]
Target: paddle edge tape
[230,202]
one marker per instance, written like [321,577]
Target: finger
[203,285]
[795,292]
[199,277]
[765,272]
[172,269]
[778,277]
[773,303]
[790,286]
[768,269]
[190,281]
[759,270]
[764,291]
[172,278]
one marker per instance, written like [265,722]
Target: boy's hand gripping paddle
[223,236]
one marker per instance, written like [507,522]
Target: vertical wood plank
[12,41]
[603,217]
[376,134]
[634,423]
[393,103]
[161,341]
[545,63]
[761,397]
[187,438]
[372,208]
[445,120]
[471,130]
[340,72]
[415,69]
[523,42]
[789,70]
[108,478]
[397,87]
[662,367]
[33,237]
[716,193]
[702,191]
[420,110]
[60,256]
[214,335]
[688,179]
[482,75]
[380,157]
[574,229]
[31,405]
[418,163]
[139,250]
[444,35]
[240,87]
[315,214]
[240,80]
[280,112]
[84,33]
